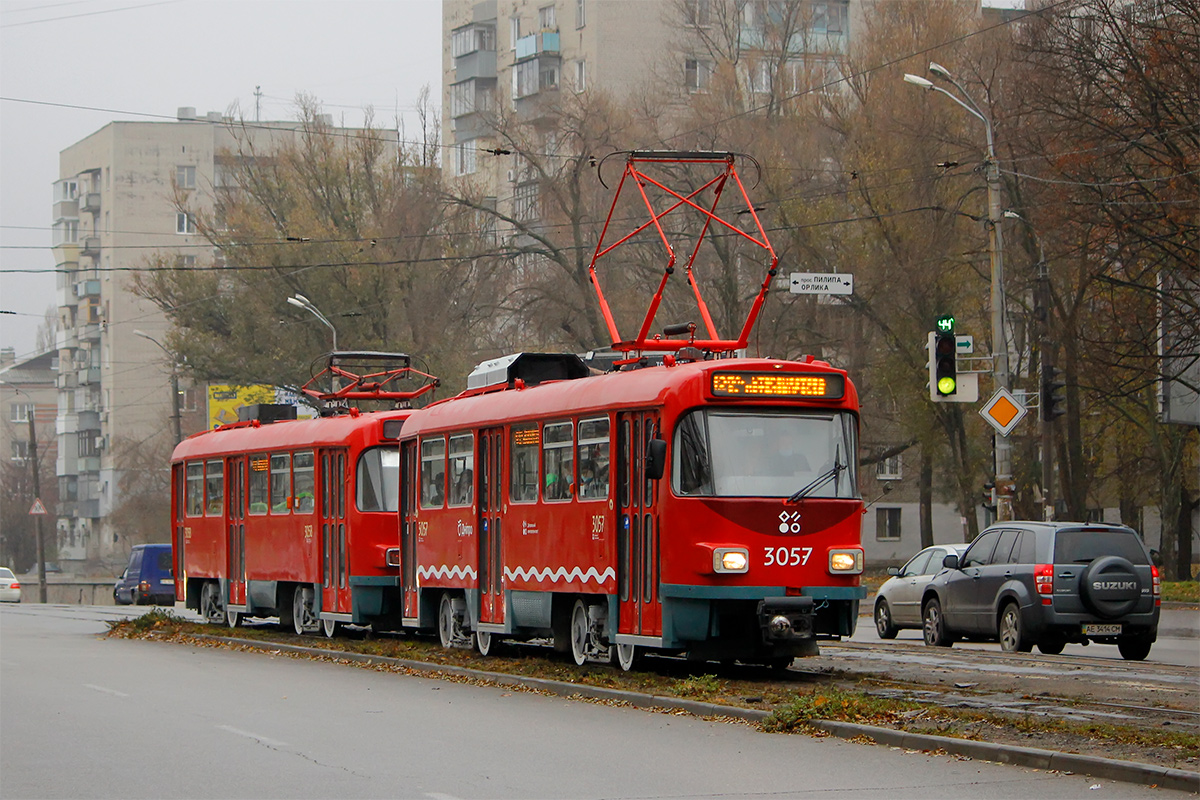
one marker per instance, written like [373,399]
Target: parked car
[148,579]
[10,587]
[1047,583]
[898,601]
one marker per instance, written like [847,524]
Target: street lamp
[176,428]
[1004,484]
[300,301]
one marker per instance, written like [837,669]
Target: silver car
[898,601]
[10,587]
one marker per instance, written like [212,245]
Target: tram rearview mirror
[656,458]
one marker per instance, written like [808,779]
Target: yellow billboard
[224,401]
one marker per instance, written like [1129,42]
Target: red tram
[692,502]
[296,518]
[706,507]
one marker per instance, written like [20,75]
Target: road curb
[1095,766]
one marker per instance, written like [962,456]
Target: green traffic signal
[945,385]
[945,323]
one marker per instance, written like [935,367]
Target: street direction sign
[1003,411]
[821,283]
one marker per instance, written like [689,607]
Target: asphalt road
[85,716]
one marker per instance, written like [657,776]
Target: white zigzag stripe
[445,572]
[560,574]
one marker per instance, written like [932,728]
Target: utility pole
[37,493]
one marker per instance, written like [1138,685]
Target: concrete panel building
[115,210]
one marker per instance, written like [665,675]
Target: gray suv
[1047,583]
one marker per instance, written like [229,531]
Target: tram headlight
[846,562]
[731,559]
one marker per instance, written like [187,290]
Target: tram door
[637,527]
[235,476]
[491,561]
[181,532]
[335,568]
[408,534]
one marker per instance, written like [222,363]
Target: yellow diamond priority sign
[1003,411]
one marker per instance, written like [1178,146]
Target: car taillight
[1156,582]
[144,586]
[15,585]
[1043,575]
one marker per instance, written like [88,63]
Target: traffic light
[1054,403]
[943,364]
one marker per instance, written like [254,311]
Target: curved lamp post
[1004,483]
[300,301]
[176,428]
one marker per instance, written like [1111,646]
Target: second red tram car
[295,519]
[708,508]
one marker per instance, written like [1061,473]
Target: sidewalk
[1179,619]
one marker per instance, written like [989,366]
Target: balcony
[89,420]
[66,209]
[89,464]
[66,380]
[90,288]
[480,64]
[90,333]
[90,202]
[535,43]
[91,246]
[88,376]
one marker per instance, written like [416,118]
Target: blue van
[148,579]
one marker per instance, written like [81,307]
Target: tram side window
[259,483]
[693,473]
[558,461]
[462,470]
[593,459]
[304,481]
[214,481]
[433,472]
[195,489]
[523,466]
[378,479]
[281,482]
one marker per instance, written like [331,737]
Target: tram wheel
[626,656]
[233,618]
[304,618]
[210,603]
[331,627]
[485,644]
[579,633]
[446,621]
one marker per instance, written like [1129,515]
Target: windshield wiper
[820,480]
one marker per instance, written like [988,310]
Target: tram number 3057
[786,556]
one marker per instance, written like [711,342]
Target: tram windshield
[724,453]
[379,479]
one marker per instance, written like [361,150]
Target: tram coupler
[784,619]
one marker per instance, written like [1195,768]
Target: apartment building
[28,404]
[114,210]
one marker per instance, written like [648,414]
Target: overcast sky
[69,67]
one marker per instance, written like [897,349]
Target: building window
[580,75]
[185,223]
[464,158]
[66,190]
[471,39]
[525,78]
[20,450]
[525,202]
[20,412]
[696,74]
[514,32]
[65,231]
[888,469]
[185,177]
[696,12]
[87,446]
[887,524]
[546,20]
[580,13]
